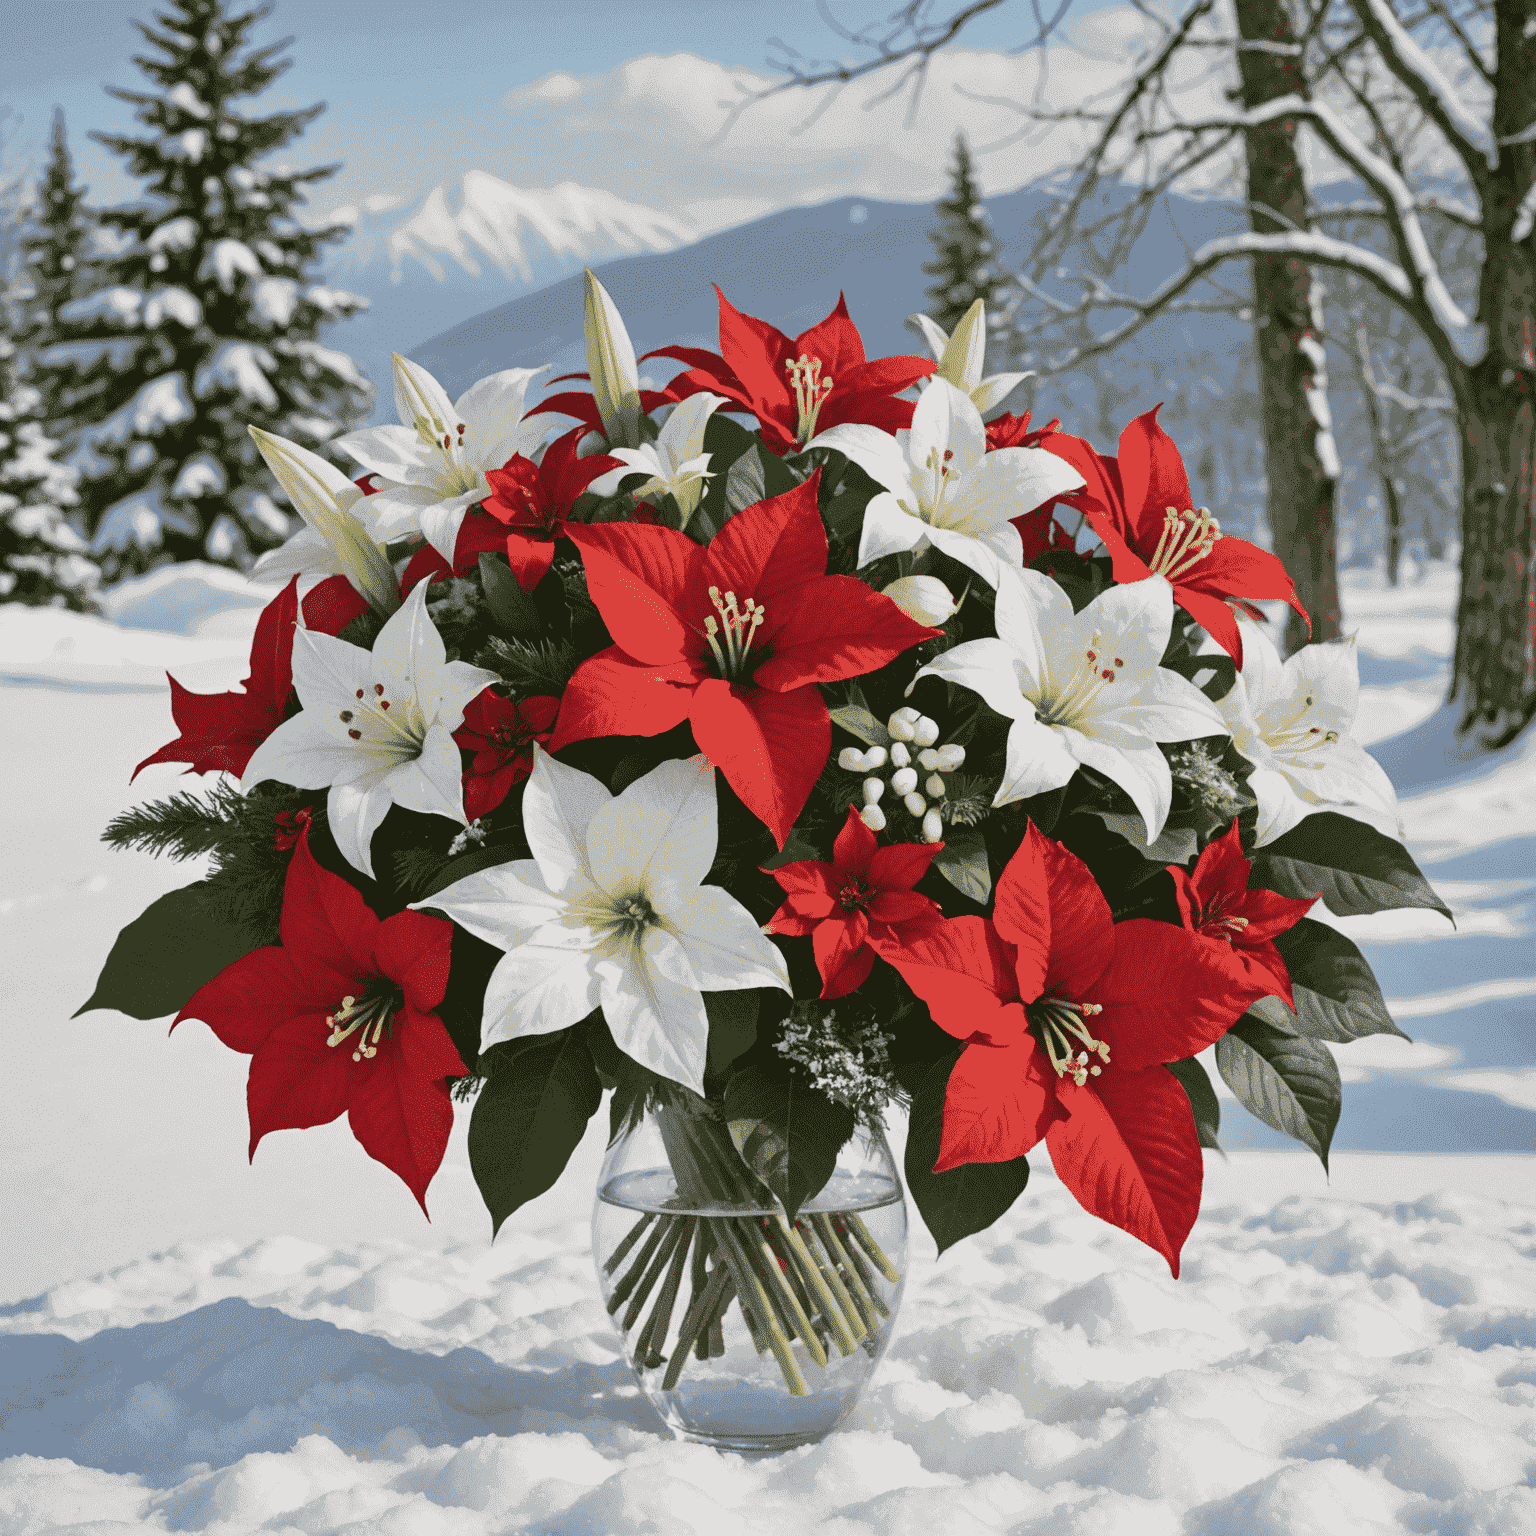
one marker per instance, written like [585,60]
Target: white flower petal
[1036,761]
[987,667]
[441,521]
[431,783]
[992,391]
[1024,478]
[394,511]
[877,453]
[1280,807]
[327,672]
[945,422]
[492,411]
[1029,607]
[303,554]
[558,806]
[457,684]
[724,945]
[409,651]
[418,396]
[651,1000]
[300,752]
[642,460]
[662,828]
[888,530]
[936,337]
[1142,772]
[536,989]
[504,905]
[355,812]
[391,451]
[975,555]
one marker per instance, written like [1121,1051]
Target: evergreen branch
[182,827]
[544,667]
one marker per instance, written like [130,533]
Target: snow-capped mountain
[427,263]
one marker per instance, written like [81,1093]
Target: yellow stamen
[730,637]
[811,391]
[1187,538]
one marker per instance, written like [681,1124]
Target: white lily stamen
[1057,1023]
[940,467]
[734,631]
[811,391]
[1187,538]
[1099,671]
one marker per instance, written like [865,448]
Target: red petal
[1035,531]
[1258,966]
[835,340]
[272,649]
[899,866]
[247,1000]
[900,907]
[297,1080]
[999,1102]
[771,548]
[1126,565]
[868,408]
[1021,909]
[426,565]
[517,498]
[842,956]
[1101,485]
[809,884]
[571,403]
[427,1046]
[325,921]
[964,972]
[610,695]
[648,584]
[757,353]
[412,950]
[219,731]
[855,845]
[1082,932]
[530,556]
[1152,477]
[1214,616]
[1269,914]
[401,1120]
[771,747]
[1129,1153]
[566,475]
[332,604]
[1166,995]
[885,375]
[479,534]
[831,628]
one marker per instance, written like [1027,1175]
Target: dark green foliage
[788,1133]
[732,1026]
[1337,995]
[540,667]
[1291,1083]
[529,1118]
[162,957]
[205,318]
[510,607]
[966,265]
[1202,1100]
[1352,866]
[960,1200]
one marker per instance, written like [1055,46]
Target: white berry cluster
[910,733]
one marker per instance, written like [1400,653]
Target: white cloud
[1515,1086]
[558,86]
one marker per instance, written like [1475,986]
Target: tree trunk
[1300,460]
[1494,673]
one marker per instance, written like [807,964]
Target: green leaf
[529,1118]
[1174,845]
[788,1133]
[468,864]
[856,717]
[511,607]
[1352,866]
[963,862]
[797,846]
[1202,1100]
[962,1200]
[1289,1082]
[756,476]
[732,1026]
[178,944]
[1337,995]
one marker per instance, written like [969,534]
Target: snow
[227,260]
[190,1342]
[178,234]
[172,304]
[242,367]
[274,299]
[116,303]
[201,475]
[161,403]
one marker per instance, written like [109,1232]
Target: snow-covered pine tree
[207,313]
[966,268]
[43,560]
[55,256]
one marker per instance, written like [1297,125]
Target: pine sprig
[543,667]
[183,826]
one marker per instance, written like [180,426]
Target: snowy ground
[188,1342]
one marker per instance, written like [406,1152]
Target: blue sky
[418,93]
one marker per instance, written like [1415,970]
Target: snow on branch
[1467,133]
[1399,204]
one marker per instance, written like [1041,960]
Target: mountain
[432,266]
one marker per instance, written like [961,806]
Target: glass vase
[747,1330]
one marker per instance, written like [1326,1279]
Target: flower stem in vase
[709,1301]
[854,1224]
[627,1242]
[653,1335]
[632,1277]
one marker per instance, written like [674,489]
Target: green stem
[631,1278]
[654,1334]
[627,1242]
[676,1231]
[861,1236]
[708,1303]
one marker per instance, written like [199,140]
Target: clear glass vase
[746,1330]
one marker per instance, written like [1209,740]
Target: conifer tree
[966,268]
[43,561]
[205,317]
[55,255]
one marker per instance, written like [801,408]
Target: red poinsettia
[478,534]
[341,1017]
[501,734]
[1215,903]
[1068,1018]
[1010,431]
[801,387]
[222,730]
[733,637]
[1141,506]
[531,501]
[860,904]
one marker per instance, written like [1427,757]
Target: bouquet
[768,748]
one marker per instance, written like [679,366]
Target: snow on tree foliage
[967,266]
[202,320]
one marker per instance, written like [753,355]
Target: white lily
[676,461]
[336,538]
[377,728]
[924,599]
[962,356]
[611,912]
[942,487]
[611,366]
[432,468]
[1083,688]
[1291,719]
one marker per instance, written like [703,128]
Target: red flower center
[1216,922]
[513,738]
[731,635]
[852,896]
[811,391]
[367,1017]
[1187,538]
[1058,1026]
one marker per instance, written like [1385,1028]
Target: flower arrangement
[769,748]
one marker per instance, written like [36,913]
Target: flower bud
[915,804]
[924,599]
[928,758]
[901,722]
[951,755]
[925,732]
[611,363]
[933,827]
[900,756]
[935,786]
[965,353]
[851,760]
[873,789]
[874,757]
[873,818]
[904,780]
[322,495]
